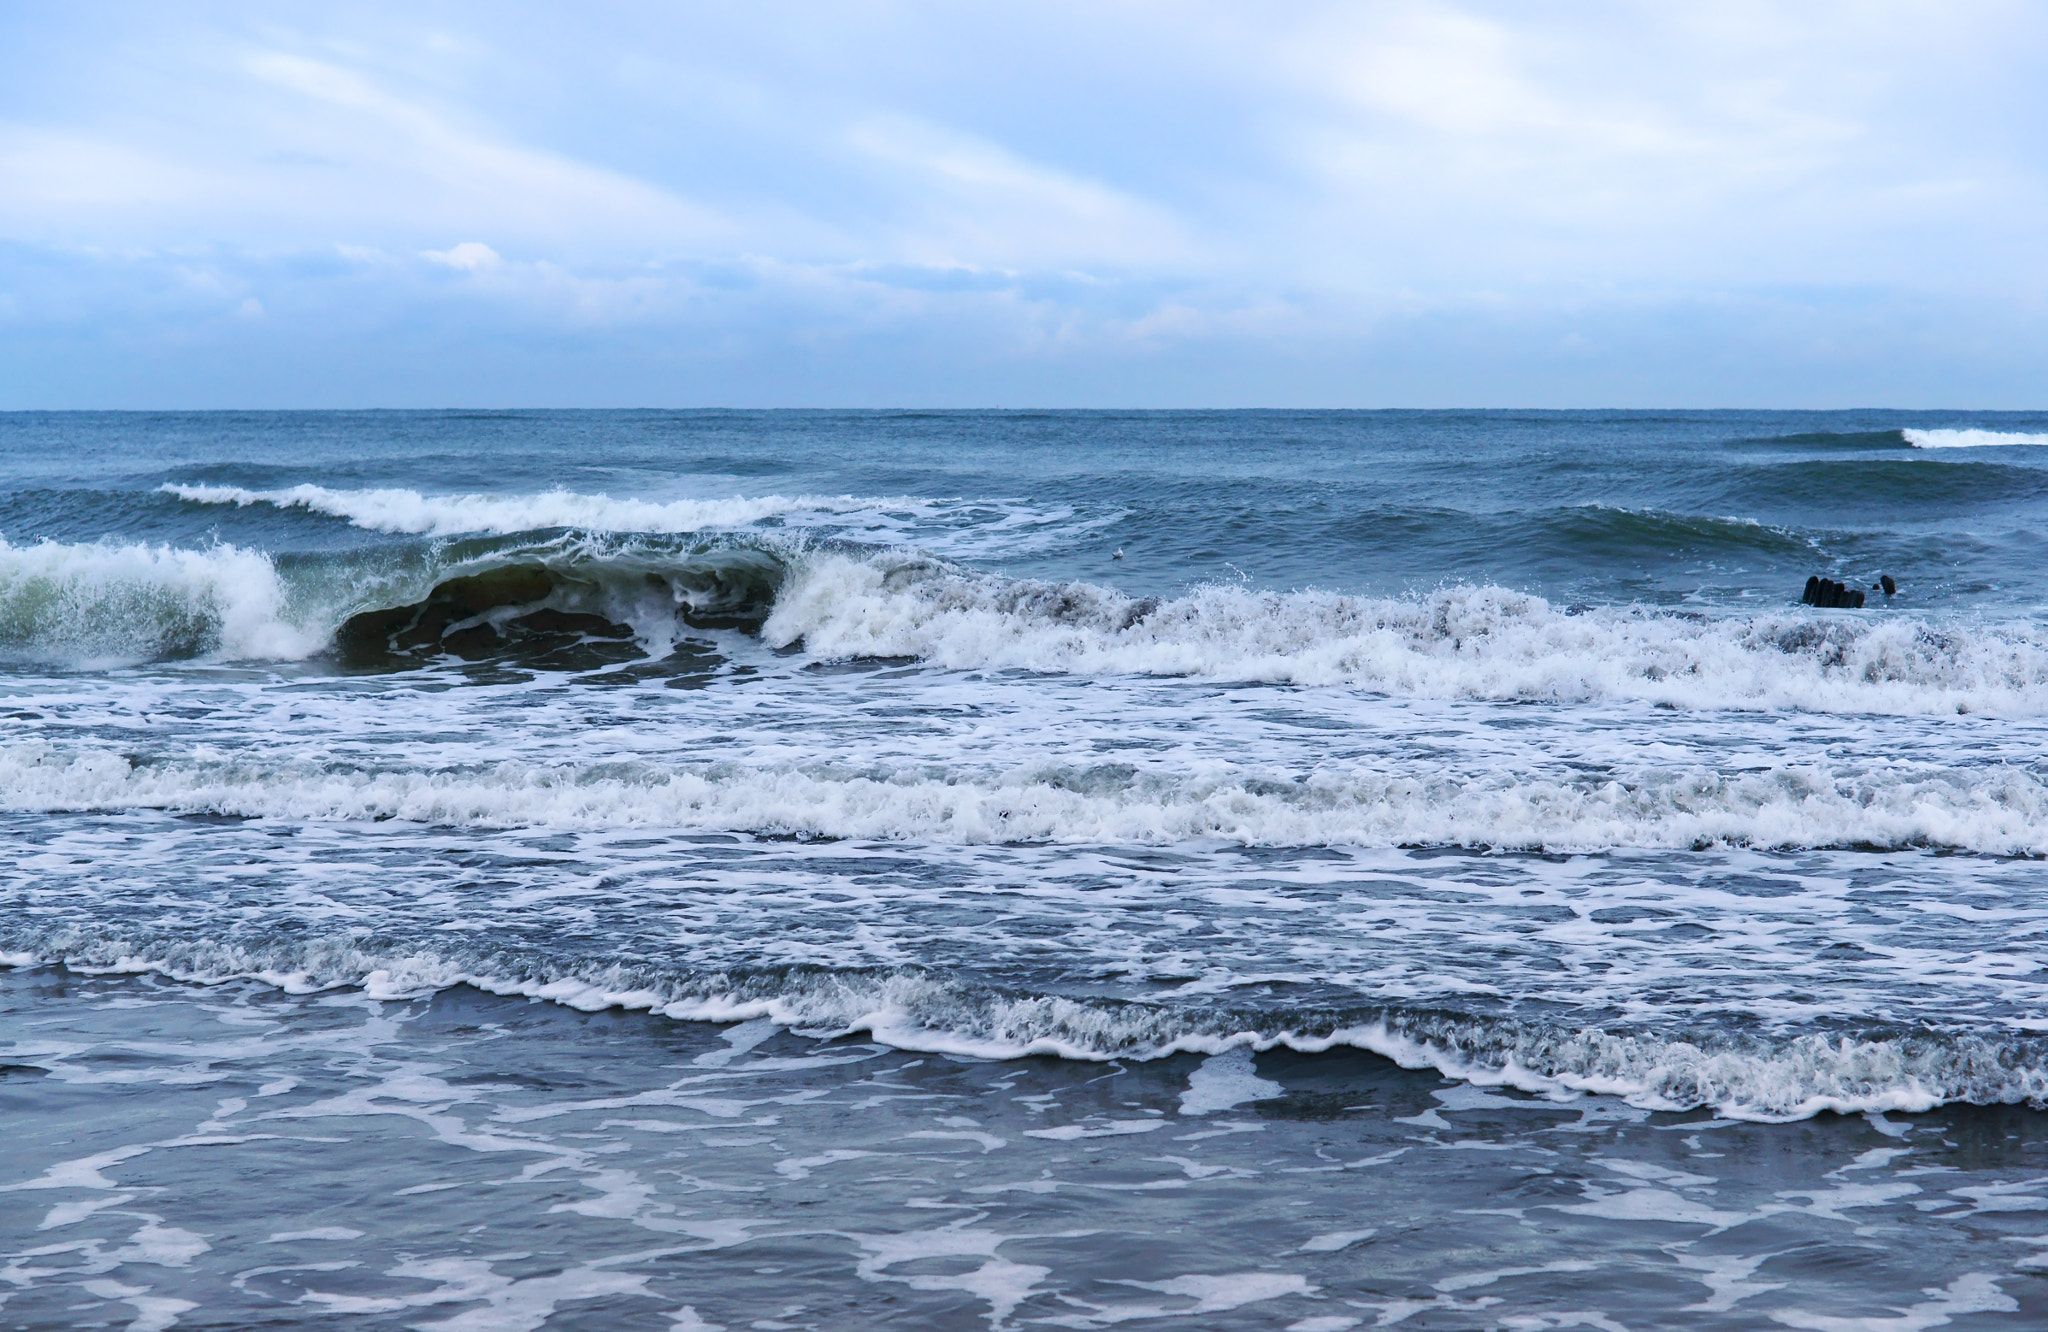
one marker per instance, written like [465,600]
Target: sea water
[990,870]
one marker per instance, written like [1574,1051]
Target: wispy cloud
[966,201]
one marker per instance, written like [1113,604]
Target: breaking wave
[1970,439]
[91,604]
[1772,1077]
[85,604]
[1462,642]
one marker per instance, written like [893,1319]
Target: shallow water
[233,1155]
[1320,869]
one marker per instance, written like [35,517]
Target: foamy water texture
[1465,642]
[90,604]
[409,512]
[83,604]
[1372,799]
[1972,439]
[678,1175]
[1019,869]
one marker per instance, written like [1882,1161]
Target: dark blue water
[1302,870]
[1662,507]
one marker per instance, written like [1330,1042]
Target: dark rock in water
[1830,595]
[1885,581]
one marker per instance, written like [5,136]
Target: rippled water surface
[981,870]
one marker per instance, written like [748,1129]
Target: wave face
[1497,744]
[86,605]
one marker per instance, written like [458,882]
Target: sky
[1384,203]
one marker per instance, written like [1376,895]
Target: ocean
[1307,870]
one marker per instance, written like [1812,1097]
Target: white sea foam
[1970,439]
[103,604]
[1996,810]
[1225,1081]
[1461,642]
[85,604]
[412,513]
[1771,1079]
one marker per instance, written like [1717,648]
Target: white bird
[1119,553]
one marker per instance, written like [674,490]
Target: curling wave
[1766,1077]
[97,604]
[82,604]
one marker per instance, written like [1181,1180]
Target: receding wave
[1463,642]
[408,512]
[1971,439]
[1767,1077]
[1995,809]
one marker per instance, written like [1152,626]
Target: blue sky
[1410,203]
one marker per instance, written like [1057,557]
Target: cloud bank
[1406,203]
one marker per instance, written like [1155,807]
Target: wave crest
[410,513]
[1460,642]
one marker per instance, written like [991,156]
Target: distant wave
[1825,439]
[1970,439]
[1771,1078]
[409,512]
[1593,531]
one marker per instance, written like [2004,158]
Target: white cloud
[469,256]
[1072,180]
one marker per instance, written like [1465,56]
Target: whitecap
[1971,439]
[409,512]
[1459,642]
[104,604]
